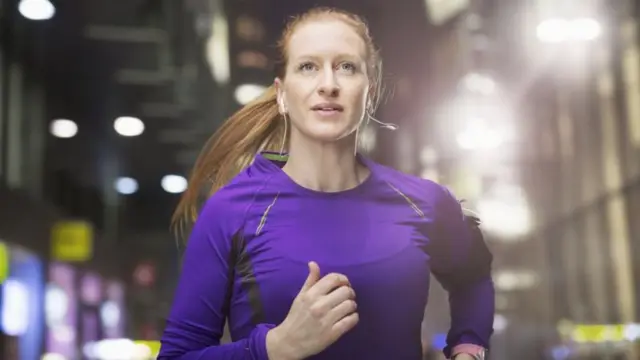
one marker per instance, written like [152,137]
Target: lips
[328,107]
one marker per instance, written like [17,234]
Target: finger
[341,311]
[327,284]
[344,325]
[335,298]
[313,277]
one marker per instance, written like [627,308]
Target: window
[631,71]
[249,29]
[565,126]
[612,170]
[621,256]
[252,59]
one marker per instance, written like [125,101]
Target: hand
[323,311]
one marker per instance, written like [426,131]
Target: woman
[321,253]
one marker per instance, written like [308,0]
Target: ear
[282,108]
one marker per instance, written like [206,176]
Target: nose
[329,85]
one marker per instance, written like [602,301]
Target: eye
[347,67]
[307,66]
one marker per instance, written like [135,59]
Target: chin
[330,132]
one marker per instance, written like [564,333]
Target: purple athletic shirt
[247,256]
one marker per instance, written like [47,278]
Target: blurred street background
[527,109]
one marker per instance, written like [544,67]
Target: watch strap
[477,352]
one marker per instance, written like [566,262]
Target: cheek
[297,98]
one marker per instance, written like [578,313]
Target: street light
[36,9]
[559,30]
[479,122]
[246,93]
[506,213]
[128,126]
[512,280]
[63,128]
[477,135]
[585,29]
[126,185]
[479,83]
[174,184]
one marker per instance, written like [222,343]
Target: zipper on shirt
[263,219]
[407,199]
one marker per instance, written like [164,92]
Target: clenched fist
[323,311]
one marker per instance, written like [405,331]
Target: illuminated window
[511,280]
[429,156]
[217,48]
[252,59]
[610,158]
[15,308]
[621,257]
[506,213]
[249,29]
[595,274]
[466,181]
[431,173]
[110,314]
[631,69]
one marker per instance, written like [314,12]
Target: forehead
[327,37]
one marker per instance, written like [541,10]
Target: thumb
[313,277]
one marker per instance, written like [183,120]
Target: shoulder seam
[252,202]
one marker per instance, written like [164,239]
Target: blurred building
[585,102]
[38,234]
[535,123]
[67,261]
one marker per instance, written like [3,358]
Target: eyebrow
[351,57]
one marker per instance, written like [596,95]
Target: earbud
[384,125]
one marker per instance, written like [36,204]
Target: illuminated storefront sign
[595,333]
[72,241]
[61,307]
[112,311]
[22,291]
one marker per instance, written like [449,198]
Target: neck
[327,167]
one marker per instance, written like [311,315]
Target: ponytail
[254,128]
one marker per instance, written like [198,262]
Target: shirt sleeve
[200,306]
[462,262]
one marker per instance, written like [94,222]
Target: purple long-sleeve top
[247,257]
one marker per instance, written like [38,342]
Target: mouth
[328,109]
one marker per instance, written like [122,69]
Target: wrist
[278,347]
[468,352]
[462,356]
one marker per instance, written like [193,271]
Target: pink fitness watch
[476,352]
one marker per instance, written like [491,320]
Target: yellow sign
[152,346]
[598,333]
[4,262]
[72,241]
